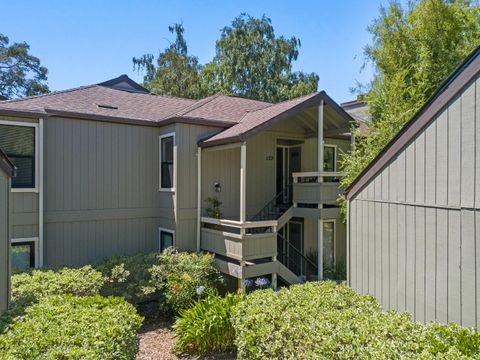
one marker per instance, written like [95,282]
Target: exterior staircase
[293,265]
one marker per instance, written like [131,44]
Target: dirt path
[156,343]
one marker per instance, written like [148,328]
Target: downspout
[40,195]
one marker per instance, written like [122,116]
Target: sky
[87,42]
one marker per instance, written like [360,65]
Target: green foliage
[183,278]
[69,327]
[213,210]
[177,73]
[323,320]
[30,287]
[129,277]
[250,61]
[413,50]
[206,327]
[20,72]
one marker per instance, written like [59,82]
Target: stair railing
[306,266]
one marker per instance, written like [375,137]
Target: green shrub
[29,287]
[329,321]
[129,277]
[206,327]
[184,278]
[70,327]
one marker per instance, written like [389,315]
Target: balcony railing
[316,187]
[233,239]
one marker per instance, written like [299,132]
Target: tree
[413,51]
[20,72]
[252,62]
[176,73]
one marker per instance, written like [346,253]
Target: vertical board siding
[4,241]
[419,252]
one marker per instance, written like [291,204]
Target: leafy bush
[129,277]
[184,278]
[326,320]
[29,287]
[206,327]
[70,327]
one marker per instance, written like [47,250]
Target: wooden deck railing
[316,187]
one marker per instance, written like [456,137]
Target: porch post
[199,197]
[243,182]
[320,180]
[320,140]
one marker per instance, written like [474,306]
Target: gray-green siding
[4,241]
[101,190]
[414,239]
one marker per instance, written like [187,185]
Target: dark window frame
[162,231]
[32,185]
[32,245]
[167,179]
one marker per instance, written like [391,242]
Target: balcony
[316,188]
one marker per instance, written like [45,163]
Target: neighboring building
[7,170]
[413,212]
[112,169]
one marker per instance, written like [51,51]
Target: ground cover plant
[323,320]
[206,327]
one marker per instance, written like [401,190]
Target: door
[289,160]
[295,238]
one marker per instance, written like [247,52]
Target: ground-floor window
[24,253]
[166,238]
[328,244]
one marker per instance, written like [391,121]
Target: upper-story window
[18,142]
[167,160]
[330,158]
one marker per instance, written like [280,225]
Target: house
[113,169]
[413,238]
[7,170]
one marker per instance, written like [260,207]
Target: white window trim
[37,155]
[335,149]
[334,238]
[35,240]
[160,188]
[160,229]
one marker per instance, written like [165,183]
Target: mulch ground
[156,343]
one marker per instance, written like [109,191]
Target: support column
[320,249]
[199,197]
[274,276]
[320,180]
[243,182]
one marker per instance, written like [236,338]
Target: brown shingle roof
[257,120]
[119,100]
[103,101]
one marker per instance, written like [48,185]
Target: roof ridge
[48,94]
[197,104]
[274,104]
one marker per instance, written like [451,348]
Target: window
[329,158]
[328,245]
[18,142]
[167,238]
[24,253]
[167,161]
